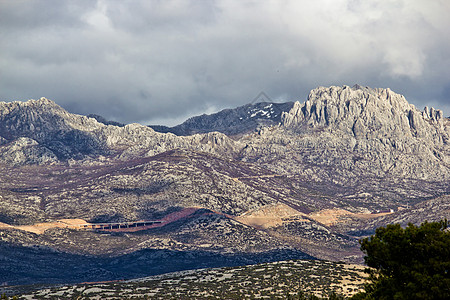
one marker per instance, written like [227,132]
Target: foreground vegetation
[408,263]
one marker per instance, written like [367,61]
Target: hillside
[277,279]
[240,120]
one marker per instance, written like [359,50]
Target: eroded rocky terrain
[288,183]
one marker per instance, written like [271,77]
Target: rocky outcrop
[136,140]
[378,131]
[25,151]
[367,113]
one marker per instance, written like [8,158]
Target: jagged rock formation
[26,151]
[369,114]
[239,120]
[359,131]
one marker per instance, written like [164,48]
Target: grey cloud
[32,15]
[156,16]
[163,61]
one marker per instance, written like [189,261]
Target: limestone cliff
[365,131]
[369,113]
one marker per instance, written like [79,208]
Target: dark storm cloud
[162,61]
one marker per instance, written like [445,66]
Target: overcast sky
[160,62]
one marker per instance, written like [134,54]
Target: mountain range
[259,183]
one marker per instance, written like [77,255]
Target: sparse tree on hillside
[408,263]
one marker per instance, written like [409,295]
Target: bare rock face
[368,114]
[367,147]
[376,126]
[25,151]
[135,140]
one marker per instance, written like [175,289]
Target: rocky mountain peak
[35,128]
[42,101]
[35,115]
[16,106]
[57,132]
[234,121]
[365,113]
[354,131]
